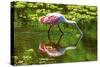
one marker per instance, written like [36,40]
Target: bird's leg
[81,34]
[49,34]
[57,45]
[60,29]
[59,39]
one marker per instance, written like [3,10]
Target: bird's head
[41,19]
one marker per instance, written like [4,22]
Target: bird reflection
[53,49]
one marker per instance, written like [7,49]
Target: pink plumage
[49,19]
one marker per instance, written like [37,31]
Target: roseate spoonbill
[55,19]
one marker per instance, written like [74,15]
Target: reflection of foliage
[28,57]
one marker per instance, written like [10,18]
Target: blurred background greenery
[28,32]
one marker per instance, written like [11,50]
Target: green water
[27,41]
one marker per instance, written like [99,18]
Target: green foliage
[72,12]
[20,4]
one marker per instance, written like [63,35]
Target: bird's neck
[69,21]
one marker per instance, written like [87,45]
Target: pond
[27,40]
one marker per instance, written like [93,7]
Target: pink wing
[51,19]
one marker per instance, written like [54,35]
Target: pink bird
[55,19]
